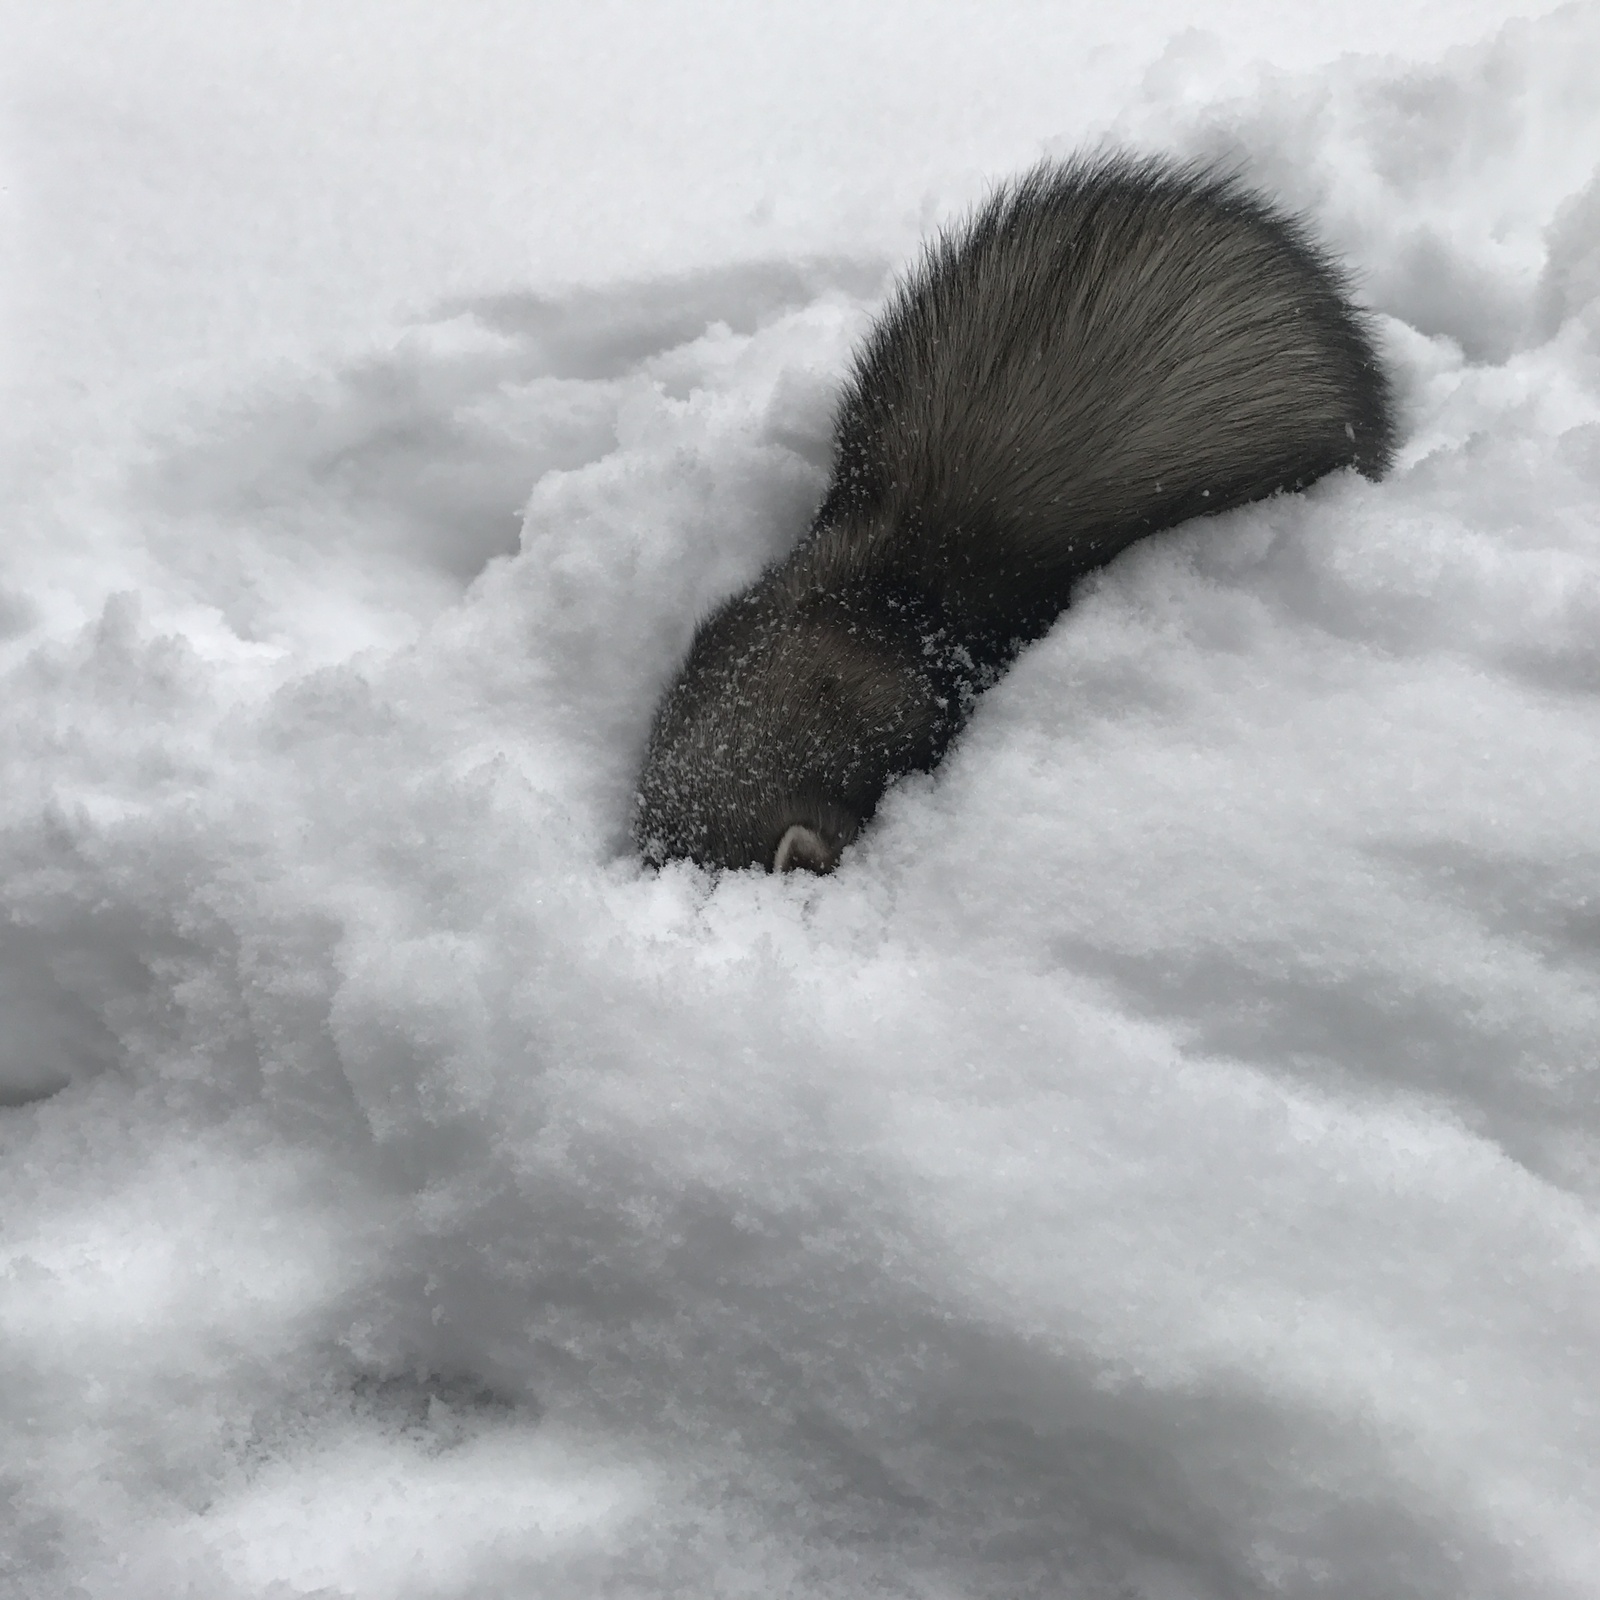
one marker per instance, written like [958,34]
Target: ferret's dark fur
[1109,347]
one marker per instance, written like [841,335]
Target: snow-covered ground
[1163,1162]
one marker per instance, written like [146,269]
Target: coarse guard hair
[1108,347]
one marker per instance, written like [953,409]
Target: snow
[1163,1161]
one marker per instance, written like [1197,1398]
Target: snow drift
[1163,1160]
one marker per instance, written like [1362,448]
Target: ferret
[1108,347]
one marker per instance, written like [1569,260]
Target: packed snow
[1164,1160]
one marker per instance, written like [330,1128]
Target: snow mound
[1163,1161]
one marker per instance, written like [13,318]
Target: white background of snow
[1162,1162]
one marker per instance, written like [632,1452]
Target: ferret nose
[803,849]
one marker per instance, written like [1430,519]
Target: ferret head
[775,742]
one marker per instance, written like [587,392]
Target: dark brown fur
[1109,347]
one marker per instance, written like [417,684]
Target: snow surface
[1164,1160]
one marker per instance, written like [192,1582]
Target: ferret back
[1109,347]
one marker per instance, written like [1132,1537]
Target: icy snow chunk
[1571,281]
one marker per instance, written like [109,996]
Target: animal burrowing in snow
[1109,347]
